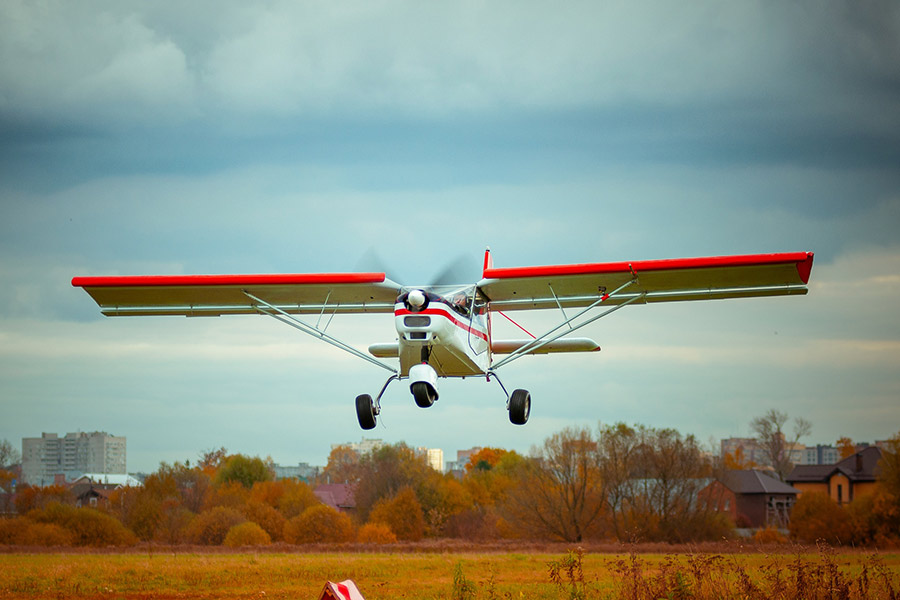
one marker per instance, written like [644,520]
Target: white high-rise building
[46,457]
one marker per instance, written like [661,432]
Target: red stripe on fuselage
[399,312]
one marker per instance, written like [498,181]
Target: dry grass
[796,573]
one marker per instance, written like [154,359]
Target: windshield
[461,299]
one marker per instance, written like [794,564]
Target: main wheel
[365,411]
[519,407]
[421,391]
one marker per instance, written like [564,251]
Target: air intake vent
[417,321]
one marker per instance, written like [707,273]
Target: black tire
[365,411]
[519,407]
[421,391]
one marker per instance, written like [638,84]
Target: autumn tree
[886,502]
[737,460]
[211,527]
[387,470]
[485,459]
[211,460]
[87,526]
[402,513]
[775,445]
[670,471]
[297,497]
[560,492]
[244,470]
[247,534]
[342,466]
[846,447]
[319,524]
[815,516]
[9,456]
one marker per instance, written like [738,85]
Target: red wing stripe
[802,259]
[228,280]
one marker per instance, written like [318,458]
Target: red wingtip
[804,267]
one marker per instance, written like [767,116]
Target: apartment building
[48,458]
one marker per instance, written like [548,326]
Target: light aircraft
[445,331]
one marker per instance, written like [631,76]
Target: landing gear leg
[367,409]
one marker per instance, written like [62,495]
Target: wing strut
[288,319]
[543,340]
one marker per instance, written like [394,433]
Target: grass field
[452,575]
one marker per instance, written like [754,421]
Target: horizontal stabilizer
[561,345]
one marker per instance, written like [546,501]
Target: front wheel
[365,411]
[421,391]
[519,407]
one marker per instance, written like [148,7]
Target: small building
[339,496]
[850,478]
[751,498]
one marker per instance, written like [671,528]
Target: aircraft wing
[653,281]
[214,295]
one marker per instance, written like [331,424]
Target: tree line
[629,483]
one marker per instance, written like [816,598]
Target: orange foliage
[816,516]
[247,534]
[32,497]
[88,527]
[269,519]
[485,459]
[211,527]
[231,494]
[846,447]
[318,524]
[769,535]
[737,461]
[296,499]
[402,513]
[376,533]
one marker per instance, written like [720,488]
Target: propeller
[463,269]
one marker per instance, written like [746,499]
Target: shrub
[769,535]
[11,530]
[247,534]
[211,527]
[271,521]
[376,533]
[816,516]
[402,513]
[319,523]
[87,526]
[45,534]
[297,497]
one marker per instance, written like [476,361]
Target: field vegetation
[572,574]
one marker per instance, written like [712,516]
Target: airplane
[446,330]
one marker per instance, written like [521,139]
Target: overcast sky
[244,137]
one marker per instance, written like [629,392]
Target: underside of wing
[646,281]
[214,295]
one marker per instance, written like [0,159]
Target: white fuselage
[453,341]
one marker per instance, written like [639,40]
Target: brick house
[751,498]
[850,478]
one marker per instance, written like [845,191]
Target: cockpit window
[460,299]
